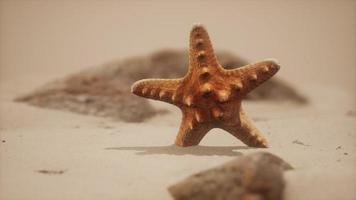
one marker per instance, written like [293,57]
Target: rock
[257,176]
[104,90]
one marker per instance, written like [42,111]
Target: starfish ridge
[210,96]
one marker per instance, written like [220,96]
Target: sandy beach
[51,154]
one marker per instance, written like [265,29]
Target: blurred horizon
[315,41]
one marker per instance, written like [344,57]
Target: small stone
[351,113]
[255,176]
[51,172]
[300,143]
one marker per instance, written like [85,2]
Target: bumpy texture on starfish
[208,95]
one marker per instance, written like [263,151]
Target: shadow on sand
[175,150]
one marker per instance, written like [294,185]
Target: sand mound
[105,90]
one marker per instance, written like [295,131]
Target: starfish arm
[157,89]
[250,76]
[201,52]
[247,132]
[190,131]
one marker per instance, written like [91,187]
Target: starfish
[210,96]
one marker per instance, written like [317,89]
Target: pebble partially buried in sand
[257,176]
[210,96]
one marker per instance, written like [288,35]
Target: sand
[50,154]
[102,159]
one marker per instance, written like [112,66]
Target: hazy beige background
[315,41]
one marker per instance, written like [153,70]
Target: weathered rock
[105,90]
[257,176]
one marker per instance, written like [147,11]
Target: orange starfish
[208,95]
